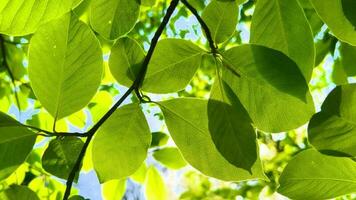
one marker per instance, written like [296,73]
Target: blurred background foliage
[165,175]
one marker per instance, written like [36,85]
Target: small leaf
[333,129]
[155,188]
[188,123]
[332,13]
[140,175]
[65,65]
[125,60]
[114,18]
[22,17]
[170,157]
[159,139]
[124,134]
[274,26]
[114,189]
[16,142]
[221,18]
[270,87]
[173,65]
[348,58]
[61,155]
[17,192]
[311,175]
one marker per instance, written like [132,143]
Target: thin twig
[213,47]
[135,87]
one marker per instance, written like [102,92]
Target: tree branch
[204,26]
[135,87]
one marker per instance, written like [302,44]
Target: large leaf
[125,60]
[188,123]
[334,128]
[311,175]
[270,86]
[173,65]
[231,127]
[16,192]
[114,18]
[22,17]
[121,144]
[16,142]
[170,157]
[61,155]
[332,13]
[65,65]
[282,25]
[221,18]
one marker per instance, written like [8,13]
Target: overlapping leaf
[16,142]
[188,123]
[333,129]
[270,87]
[114,18]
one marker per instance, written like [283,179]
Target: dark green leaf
[159,139]
[17,192]
[61,155]
[16,142]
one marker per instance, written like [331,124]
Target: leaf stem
[213,47]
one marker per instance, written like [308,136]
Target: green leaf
[16,142]
[188,123]
[311,175]
[170,157]
[114,18]
[270,87]
[22,17]
[61,156]
[140,175]
[126,60]
[77,197]
[221,18]
[231,127]
[334,128]
[16,192]
[173,65]
[114,189]
[339,76]
[348,58]
[148,3]
[331,12]
[155,188]
[124,134]
[65,65]
[349,6]
[282,25]
[159,139]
